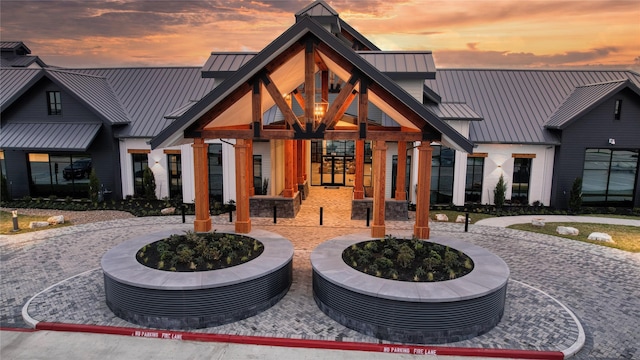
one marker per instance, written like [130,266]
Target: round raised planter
[191,300]
[410,312]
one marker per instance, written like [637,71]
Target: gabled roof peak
[317,8]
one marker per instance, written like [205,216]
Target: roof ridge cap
[603,83]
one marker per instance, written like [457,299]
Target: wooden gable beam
[276,95]
[309,83]
[256,108]
[299,98]
[363,108]
[193,131]
[428,131]
[346,93]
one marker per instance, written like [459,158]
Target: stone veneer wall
[304,190]
[262,206]
[393,209]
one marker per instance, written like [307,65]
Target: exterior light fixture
[612,141]
[319,110]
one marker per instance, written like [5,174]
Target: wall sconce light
[612,141]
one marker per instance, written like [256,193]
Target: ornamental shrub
[149,184]
[499,193]
[575,196]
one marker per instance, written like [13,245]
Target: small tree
[500,192]
[149,184]
[575,196]
[94,187]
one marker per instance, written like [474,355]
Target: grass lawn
[626,237]
[6,223]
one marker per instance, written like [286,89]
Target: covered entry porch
[298,67]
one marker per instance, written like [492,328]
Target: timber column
[401,179]
[243,223]
[202,222]
[358,186]
[379,184]
[289,170]
[421,228]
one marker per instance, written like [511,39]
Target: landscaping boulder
[58,219]
[442,217]
[168,211]
[567,230]
[537,222]
[38,224]
[461,218]
[598,236]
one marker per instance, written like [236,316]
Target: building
[540,129]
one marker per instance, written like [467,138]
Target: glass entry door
[334,169]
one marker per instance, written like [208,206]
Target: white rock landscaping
[598,236]
[461,219]
[567,230]
[38,224]
[168,211]
[58,219]
[442,217]
[538,222]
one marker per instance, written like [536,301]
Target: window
[59,174]
[140,162]
[442,175]
[473,185]
[174,162]
[521,177]
[609,176]
[618,109]
[257,175]
[215,174]
[54,104]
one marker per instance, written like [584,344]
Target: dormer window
[618,109]
[54,105]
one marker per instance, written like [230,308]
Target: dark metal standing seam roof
[225,63]
[304,26]
[95,92]
[13,45]
[413,64]
[584,98]
[14,82]
[148,94]
[516,104]
[49,136]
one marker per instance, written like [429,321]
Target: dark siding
[32,107]
[594,131]
[17,175]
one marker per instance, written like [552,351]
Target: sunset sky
[461,33]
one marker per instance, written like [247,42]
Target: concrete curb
[301,343]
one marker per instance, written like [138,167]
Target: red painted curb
[301,343]
[16,329]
